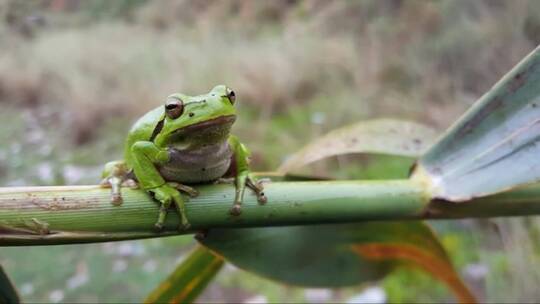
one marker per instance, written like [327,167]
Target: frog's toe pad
[201,235]
[158,226]
[236,210]
[262,199]
[193,193]
[116,199]
[183,227]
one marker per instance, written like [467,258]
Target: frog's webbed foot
[179,203]
[115,176]
[166,195]
[242,181]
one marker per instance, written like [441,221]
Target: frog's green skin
[187,141]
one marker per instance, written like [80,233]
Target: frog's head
[204,117]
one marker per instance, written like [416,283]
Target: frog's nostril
[191,114]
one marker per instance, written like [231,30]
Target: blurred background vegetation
[75,74]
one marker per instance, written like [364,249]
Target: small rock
[130,249]
[318,118]
[80,278]
[476,271]
[375,295]
[27,289]
[45,172]
[149,266]
[119,265]
[56,296]
[317,295]
[258,299]
[72,174]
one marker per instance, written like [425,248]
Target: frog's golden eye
[174,108]
[231,95]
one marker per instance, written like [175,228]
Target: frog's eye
[174,108]
[231,95]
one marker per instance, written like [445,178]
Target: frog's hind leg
[192,192]
[115,175]
[167,197]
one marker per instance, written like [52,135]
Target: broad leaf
[8,293]
[189,279]
[336,255]
[384,136]
[495,145]
[343,255]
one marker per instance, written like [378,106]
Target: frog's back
[142,130]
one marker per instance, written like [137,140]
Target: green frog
[187,141]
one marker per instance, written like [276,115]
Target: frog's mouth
[205,125]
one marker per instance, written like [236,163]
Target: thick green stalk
[76,214]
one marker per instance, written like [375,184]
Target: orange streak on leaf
[438,267]
[186,292]
[162,288]
[189,279]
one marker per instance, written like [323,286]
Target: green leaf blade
[315,256]
[495,145]
[189,279]
[381,136]
[336,255]
[8,293]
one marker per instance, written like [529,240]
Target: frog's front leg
[146,155]
[115,175]
[243,176]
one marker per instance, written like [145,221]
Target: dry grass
[289,61]
[411,59]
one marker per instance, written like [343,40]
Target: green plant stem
[79,214]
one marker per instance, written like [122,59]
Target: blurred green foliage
[75,74]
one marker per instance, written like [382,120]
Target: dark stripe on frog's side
[161,122]
[157,129]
